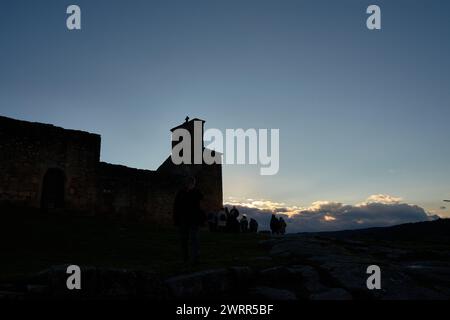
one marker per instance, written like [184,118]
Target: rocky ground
[323,266]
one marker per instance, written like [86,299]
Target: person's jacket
[187,210]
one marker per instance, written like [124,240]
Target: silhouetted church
[43,166]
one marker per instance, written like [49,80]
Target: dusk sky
[360,112]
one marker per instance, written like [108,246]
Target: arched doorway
[52,196]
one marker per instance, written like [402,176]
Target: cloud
[376,211]
[263,206]
[383,198]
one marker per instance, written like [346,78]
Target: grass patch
[32,241]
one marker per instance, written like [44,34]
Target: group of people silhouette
[277,225]
[189,217]
[228,221]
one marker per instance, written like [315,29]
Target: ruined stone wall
[122,192]
[28,150]
[208,177]
[143,195]
[136,195]
[209,180]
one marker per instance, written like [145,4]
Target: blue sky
[360,112]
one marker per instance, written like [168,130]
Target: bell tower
[195,127]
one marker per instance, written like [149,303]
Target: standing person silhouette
[228,220]
[274,224]
[282,226]
[253,226]
[235,226]
[244,224]
[189,217]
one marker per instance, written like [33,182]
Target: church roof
[186,122]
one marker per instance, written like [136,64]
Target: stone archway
[53,185]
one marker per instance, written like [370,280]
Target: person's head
[190,183]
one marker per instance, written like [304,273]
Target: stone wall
[144,195]
[135,195]
[29,150]
[209,180]
[208,177]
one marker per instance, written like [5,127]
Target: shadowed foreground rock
[411,268]
[96,283]
[326,266]
[201,284]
